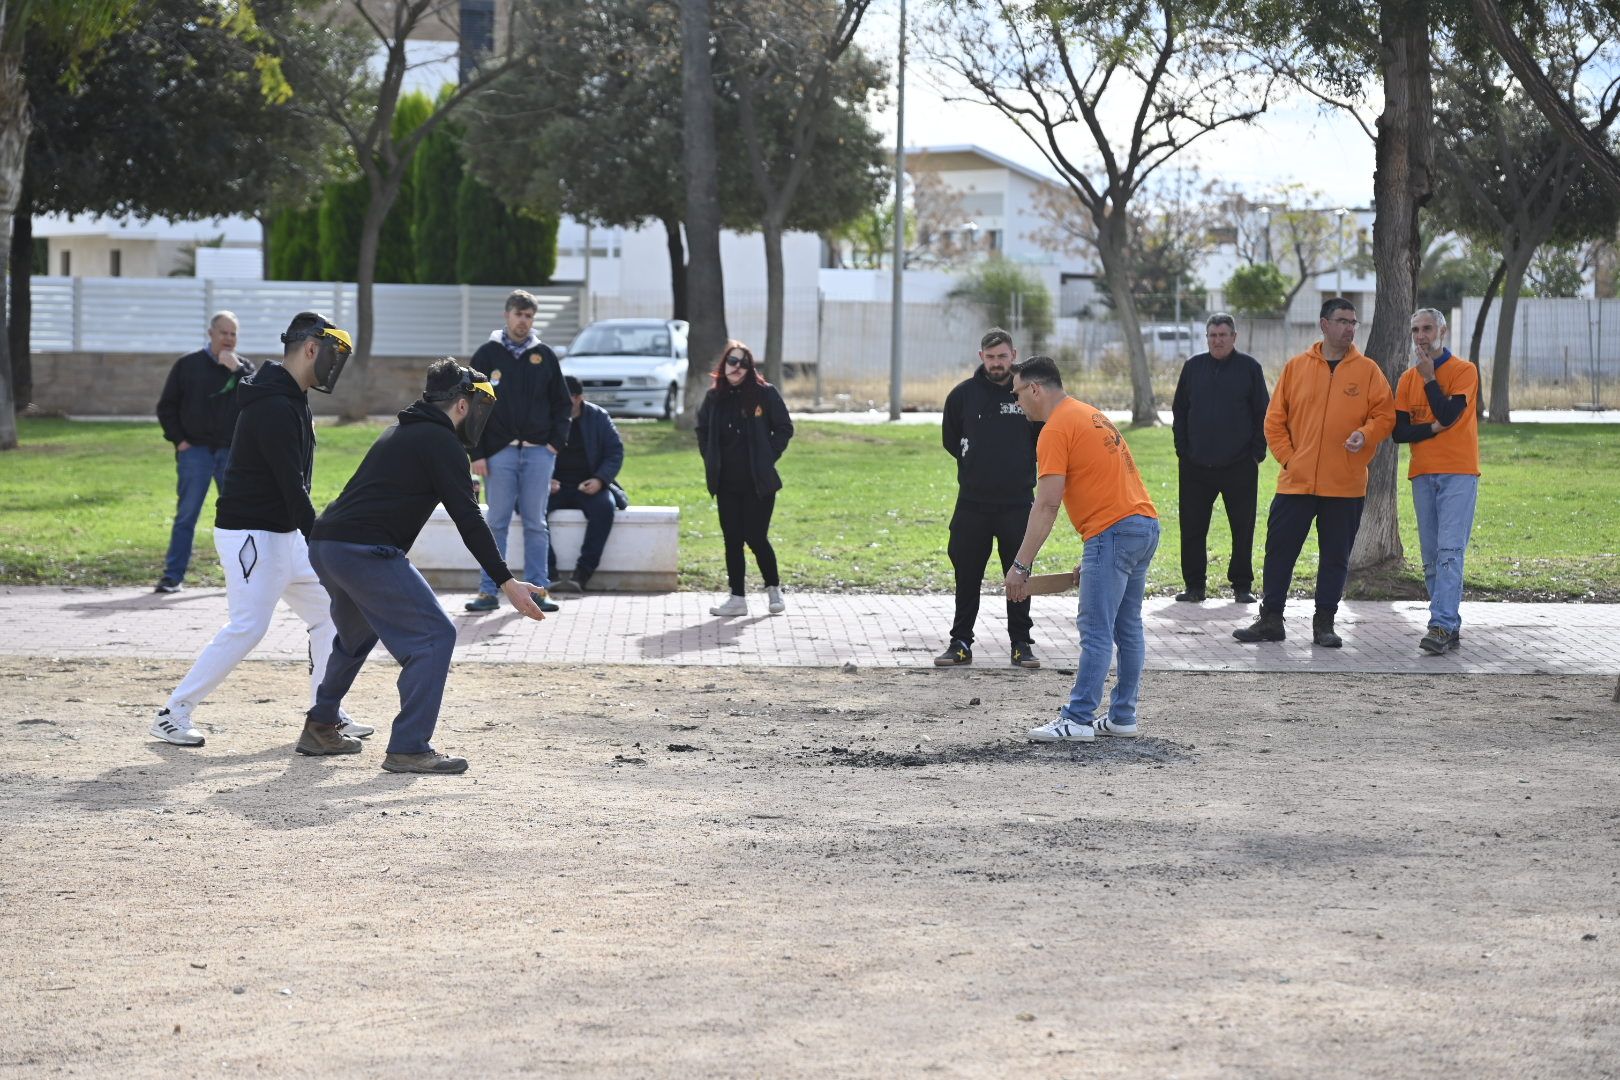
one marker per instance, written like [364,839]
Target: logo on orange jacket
[1352,390]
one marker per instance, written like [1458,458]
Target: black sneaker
[572,585]
[166,585]
[1191,596]
[1023,655]
[1438,641]
[956,653]
[545,605]
[1242,595]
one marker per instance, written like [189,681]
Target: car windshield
[629,340]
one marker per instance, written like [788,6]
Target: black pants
[745,518]
[1237,486]
[1286,529]
[974,528]
[598,510]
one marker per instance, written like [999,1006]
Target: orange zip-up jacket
[1314,409]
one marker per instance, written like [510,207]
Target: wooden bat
[1044,584]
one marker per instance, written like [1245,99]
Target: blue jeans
[377,595]
[1113,575]
[197,467]
[598,510]
[520,478]
[1445,518]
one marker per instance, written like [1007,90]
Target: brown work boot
[1268,627]
[319,740]
[430,762]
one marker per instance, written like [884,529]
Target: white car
[631,367]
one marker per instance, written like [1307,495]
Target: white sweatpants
[260,569]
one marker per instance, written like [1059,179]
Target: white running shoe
[176,730]
[1105,726]
[353,730]
[734,605]
[774,595]
[1061,730]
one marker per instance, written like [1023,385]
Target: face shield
[475,387]
[335,347]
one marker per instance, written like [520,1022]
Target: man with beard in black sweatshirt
[260,524]
[358,546]
[993,443]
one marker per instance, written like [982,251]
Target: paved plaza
[827,630]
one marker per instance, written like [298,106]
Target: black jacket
[766,426]
[531,401]
[992,440]
[198,404]
[272,457]
[411,468]
[1220,411]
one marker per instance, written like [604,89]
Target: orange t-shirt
[1101,484]
[1456,449]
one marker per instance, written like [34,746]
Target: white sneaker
[1104,726]
[176,730]
[734,605]
[774,595]
[353,730]
[1061,730]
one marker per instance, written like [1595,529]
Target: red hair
[733,345]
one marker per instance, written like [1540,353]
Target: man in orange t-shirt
[1434,412]
[1083,465]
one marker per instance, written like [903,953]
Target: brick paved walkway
[827,629]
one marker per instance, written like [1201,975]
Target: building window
[67,264]
[115,262]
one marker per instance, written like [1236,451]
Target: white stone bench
[642,552]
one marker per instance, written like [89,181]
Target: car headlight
[641,380]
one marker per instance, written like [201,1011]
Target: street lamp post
[1338,287]
[896,299]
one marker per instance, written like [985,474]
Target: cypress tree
[483,226]
[438,170]
[342,215]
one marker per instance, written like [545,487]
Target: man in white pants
[261,521]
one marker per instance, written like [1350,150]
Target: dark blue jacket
[604,449]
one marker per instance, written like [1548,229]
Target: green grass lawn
[865,508]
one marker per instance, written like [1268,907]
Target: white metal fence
[168,315]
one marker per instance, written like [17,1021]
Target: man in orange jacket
[1332,408]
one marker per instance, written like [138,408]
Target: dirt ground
[778,873]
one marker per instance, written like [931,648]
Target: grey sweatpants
[377,595]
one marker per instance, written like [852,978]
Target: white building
[89,245]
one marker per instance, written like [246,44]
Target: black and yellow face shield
[480,394]
[336,348]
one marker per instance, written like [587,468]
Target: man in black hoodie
[197,412]
[517,452]
[358,546]
[994,446]
[1220,428]
[261,521]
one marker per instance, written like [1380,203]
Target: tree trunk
[14,129]
[354,405]
[1478,336]
[771,230]
[1402,183]
[700,160]
[1517,262]
[1113,251]
[677,266]
[19,329]
[265,221]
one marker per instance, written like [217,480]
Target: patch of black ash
[1145,751]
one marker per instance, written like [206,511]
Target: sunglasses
[736,361]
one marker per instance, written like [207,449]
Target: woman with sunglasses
[743,427]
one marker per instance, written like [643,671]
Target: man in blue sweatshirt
[993,443]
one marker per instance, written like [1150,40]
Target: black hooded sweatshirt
[992,440]
[272,457]
[199,404]
[411,468]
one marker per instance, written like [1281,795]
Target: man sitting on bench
[586,479]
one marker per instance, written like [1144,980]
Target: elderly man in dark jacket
[197,411]
[586,479]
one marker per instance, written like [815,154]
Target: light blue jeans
[1113,575]
[520,478]
[196,468]
[1445,518]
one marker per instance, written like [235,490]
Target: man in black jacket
[587,480]
[261,522]
[1220,432]
[994,446]
[517,452]
[197,411]
[358,546]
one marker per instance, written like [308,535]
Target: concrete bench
[642,552]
